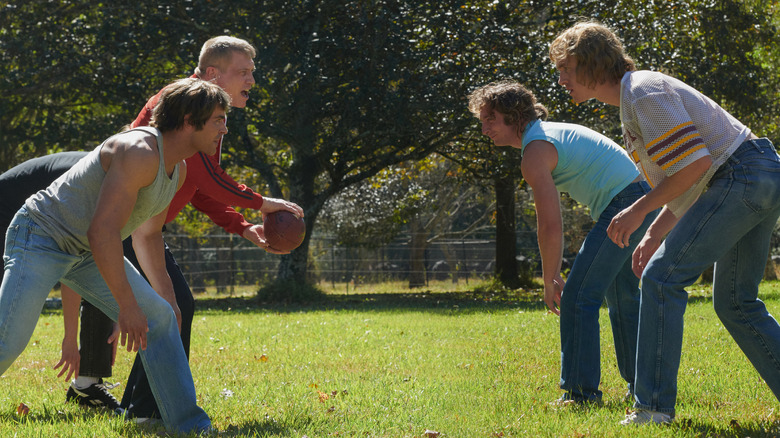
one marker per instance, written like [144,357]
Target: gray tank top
[64,210]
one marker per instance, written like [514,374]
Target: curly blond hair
[600,54]
[510,98]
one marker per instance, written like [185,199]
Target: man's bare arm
[130,164]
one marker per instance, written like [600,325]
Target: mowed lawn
[379,363]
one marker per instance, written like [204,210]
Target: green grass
[385,362]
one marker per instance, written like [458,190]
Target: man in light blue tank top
[596,172]
[72,232]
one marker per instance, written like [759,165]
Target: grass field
[383,362]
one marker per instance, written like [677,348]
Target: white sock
[82,382]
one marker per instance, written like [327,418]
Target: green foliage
[433,191]
[346,89]
[713,45]
[76,72]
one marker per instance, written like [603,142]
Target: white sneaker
[641,416]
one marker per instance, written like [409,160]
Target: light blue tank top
[591,168]
[64,210]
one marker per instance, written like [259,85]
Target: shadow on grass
[385,302]
[53,414]
[423,300]
[268,427]
[483,300]
[733,430]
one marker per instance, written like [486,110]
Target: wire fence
[226,261]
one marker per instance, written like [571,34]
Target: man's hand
[552,294]
[623,225]
[271,205]
[256,235]
[69,359]
[132,328]
[646,248]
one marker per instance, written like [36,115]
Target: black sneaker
[93,396]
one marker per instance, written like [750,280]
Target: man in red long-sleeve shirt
[228,62]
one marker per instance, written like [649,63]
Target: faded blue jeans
[729,225]
[33,264]
[601,270]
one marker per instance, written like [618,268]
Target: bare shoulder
[539,155]
[132,153]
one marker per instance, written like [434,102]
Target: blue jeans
[138,400]
[729,225]
[33,263]
[601,270]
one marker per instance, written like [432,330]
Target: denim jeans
[729,225]
[34,263]
[138,400]
[601,270]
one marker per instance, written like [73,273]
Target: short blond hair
[600,54]
[217,52]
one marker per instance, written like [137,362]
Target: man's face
[567,77]
[236,78]
[207,139]
[495,127]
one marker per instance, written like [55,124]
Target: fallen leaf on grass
[262,358]
[323,396]
[22,409]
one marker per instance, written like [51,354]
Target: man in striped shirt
[719,186]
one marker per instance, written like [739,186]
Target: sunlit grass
[390,362]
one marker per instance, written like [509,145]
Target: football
[284,231]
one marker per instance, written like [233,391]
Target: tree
[349,88]
[362,86]
[76,72]
[683,38]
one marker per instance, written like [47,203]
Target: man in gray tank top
[72,232]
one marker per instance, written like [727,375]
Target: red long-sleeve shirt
[207,186]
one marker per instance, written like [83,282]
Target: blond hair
[218,51]
[600,54]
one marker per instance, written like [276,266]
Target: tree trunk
[506,245]
[417,246]
[292,266]
[451,258]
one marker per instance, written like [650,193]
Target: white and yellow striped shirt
[667,125]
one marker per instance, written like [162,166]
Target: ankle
[82,382]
